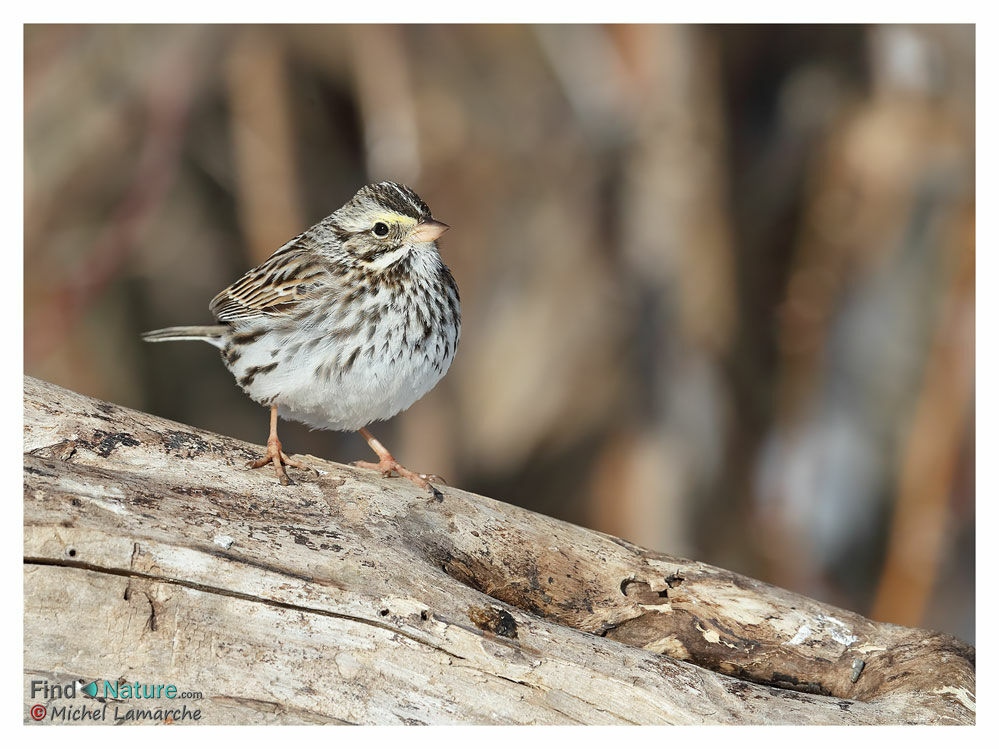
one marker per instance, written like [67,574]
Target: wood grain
[151,555]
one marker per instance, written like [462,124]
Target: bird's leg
[275,456]
[386,463]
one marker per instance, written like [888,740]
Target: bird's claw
[387,466]
[279,459]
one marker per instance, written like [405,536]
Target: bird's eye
[380,229]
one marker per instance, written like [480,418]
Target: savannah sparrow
[350,322]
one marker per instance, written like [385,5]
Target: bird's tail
[212,334]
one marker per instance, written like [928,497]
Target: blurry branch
[263,142]
[169,94]
[450,609]
[593,78]
[677,231]
[46,48]
[385,96]
[672,240]
[922,520]
[873,257]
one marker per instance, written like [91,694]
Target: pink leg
[387,464]
[275,456]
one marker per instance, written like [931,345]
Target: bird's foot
[280,460]
[386,466]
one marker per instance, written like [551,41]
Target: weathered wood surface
[152,556]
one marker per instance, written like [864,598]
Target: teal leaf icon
[91,689]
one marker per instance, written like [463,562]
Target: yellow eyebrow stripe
[394,218]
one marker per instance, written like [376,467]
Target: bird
[349,323]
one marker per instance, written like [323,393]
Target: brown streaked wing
[272,289]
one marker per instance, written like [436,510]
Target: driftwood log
[151,556]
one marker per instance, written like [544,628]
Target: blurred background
[717,282]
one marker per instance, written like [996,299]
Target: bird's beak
[428,231]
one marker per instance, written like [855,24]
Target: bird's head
[384,222]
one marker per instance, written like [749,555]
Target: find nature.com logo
[106,694]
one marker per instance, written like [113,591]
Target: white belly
[373,389]
[323,386]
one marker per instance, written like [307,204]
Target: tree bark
[152,556]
